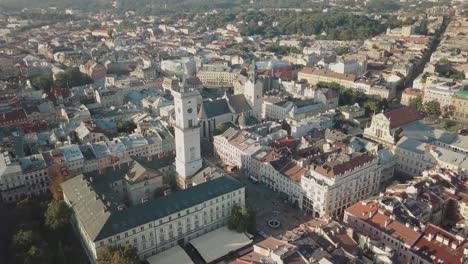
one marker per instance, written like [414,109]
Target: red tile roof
[437,245]
[369,212]
[294,172]
[330,74]
[402,116]
[341,168]
[13,117]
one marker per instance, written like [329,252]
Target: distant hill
[153,6]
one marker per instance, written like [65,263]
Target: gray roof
[100,224]
[88,210]
[211,109]
[239,104]
[141,214]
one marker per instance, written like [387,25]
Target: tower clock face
[189,110]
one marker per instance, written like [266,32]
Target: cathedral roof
[402,116]
[239,103]
[214,108]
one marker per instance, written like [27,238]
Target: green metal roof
[462,94]
[121,221]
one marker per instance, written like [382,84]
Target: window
[190,124]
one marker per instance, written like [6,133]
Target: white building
[153,226]
[216,76]
[441,92]
[340,182]
[27,177]
[274,108]
[349,66]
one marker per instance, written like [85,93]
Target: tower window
[190,123]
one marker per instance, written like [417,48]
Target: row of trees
[349,97]
[69,78]
[431,108]
[282,50]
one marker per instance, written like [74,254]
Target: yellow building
[460,102]
[314,76]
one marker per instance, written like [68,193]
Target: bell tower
[187,133]
[253,91]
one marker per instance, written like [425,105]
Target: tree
[331,85]
[57,215]
[242,219]
[55,187]
[371,107]
[30,248]
[30,212]
[72,77]
[448,110]
[432,108]
[417,103]
[125,127]
[42,82]
[118,255]
[220,129]
[342,50]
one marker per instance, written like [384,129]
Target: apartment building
[153,226]
[339,182]
[216,76]
[460,104]
[274,108]
[368,219]
[420,244]
[314,76]
[26,177]
[441,92]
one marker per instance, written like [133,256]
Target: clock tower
[187,134]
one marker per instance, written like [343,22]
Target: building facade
[153,226]
[340,182]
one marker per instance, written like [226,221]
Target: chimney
[453,245]
[445,242]
[430,236]
[387,222]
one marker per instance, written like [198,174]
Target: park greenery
[38,232]
[431,108]
[69,78]
[337,26]
[350,97]
[125,127]
[242,219]
[118,255]
[282,50]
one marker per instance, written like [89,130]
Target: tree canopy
[416,103]
[57,215]
[72,77]
[432,108]
[125,127]
[30,248]
[118,255]
[242,219]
